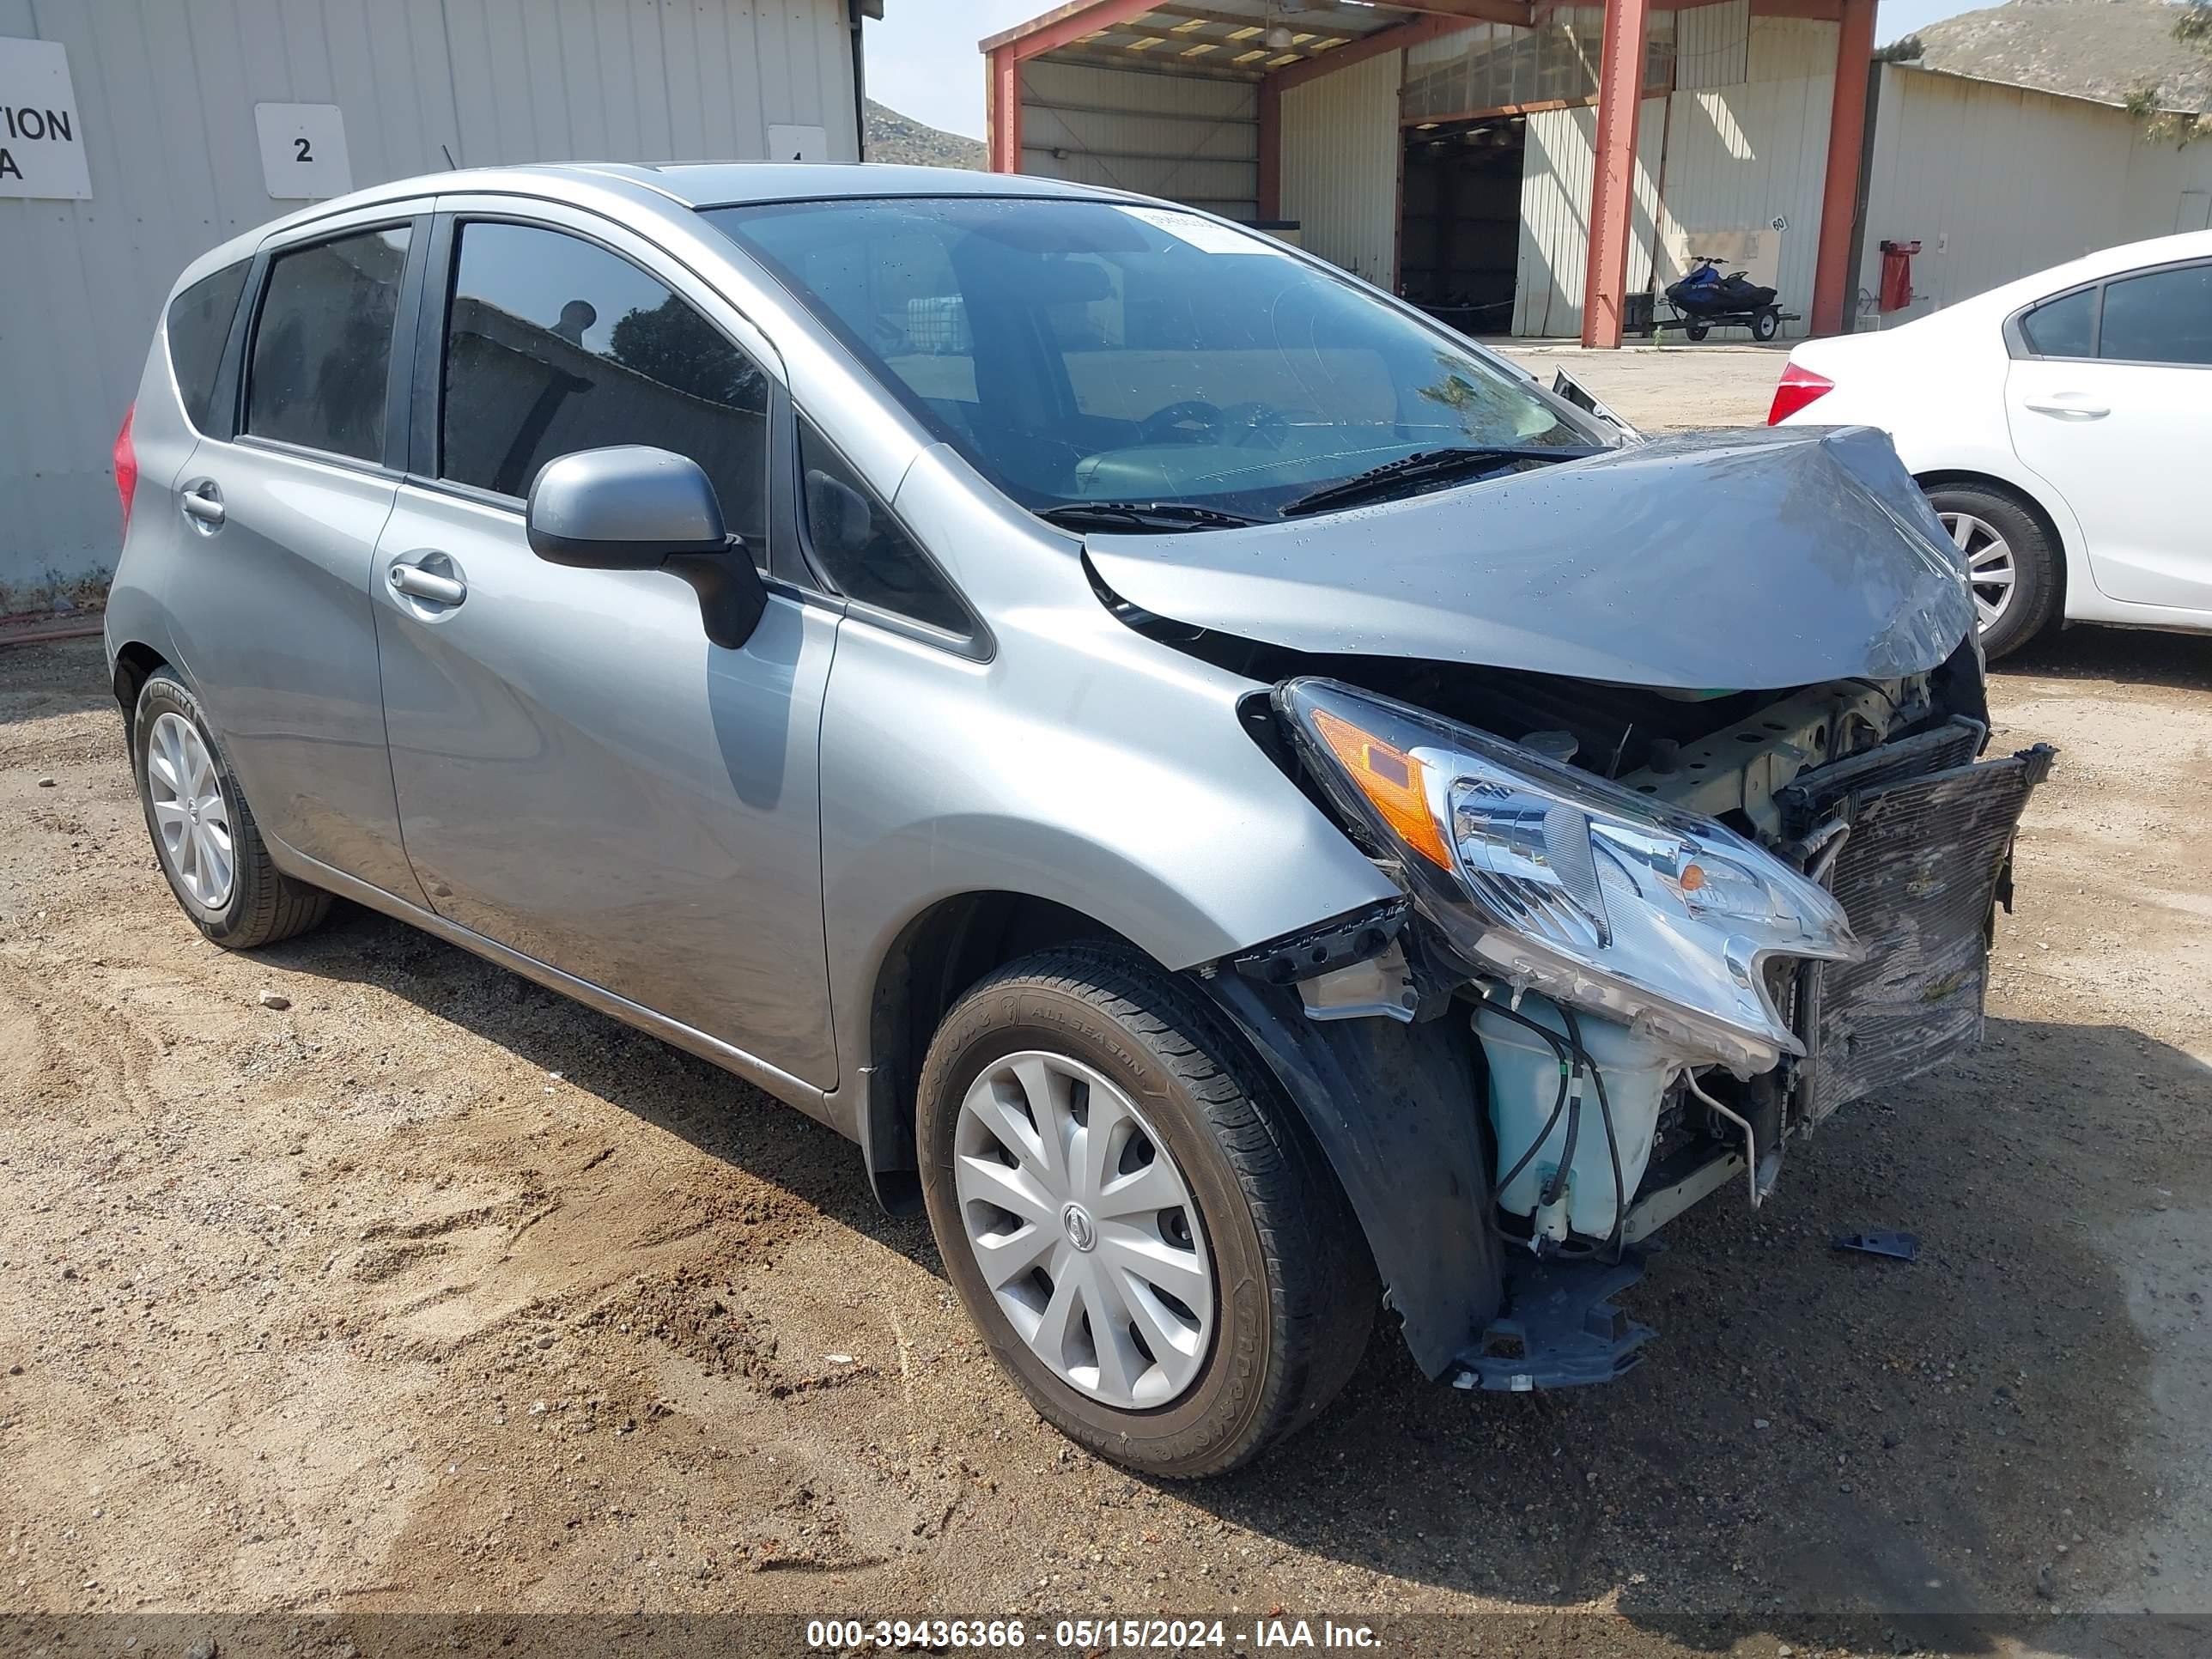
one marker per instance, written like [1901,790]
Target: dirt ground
[430,1291]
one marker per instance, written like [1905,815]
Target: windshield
[1081,351]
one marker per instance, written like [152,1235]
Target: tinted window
[2159,317]
[322,351]
[861,548]
[1080,350]
[2064,328]
[556,345]
[199,324]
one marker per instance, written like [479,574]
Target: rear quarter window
[199,327]
[2064,327]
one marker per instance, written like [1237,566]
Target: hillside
[900,139]
[2102,49]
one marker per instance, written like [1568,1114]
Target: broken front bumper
[1915,840]
[1918,840]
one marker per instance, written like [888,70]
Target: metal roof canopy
[1226,39]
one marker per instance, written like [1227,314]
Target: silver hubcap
[1989,569]
[1084,1229]
[190,814]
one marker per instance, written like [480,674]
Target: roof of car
[667,184]
[719,183]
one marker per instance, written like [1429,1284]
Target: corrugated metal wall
[1555,196]
[1181,136]
[1714,156]
[1712,46]
[1995,182]
[165,91]
[1340,153]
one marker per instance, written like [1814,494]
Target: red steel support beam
[1004,87]
[1004,52]
[1612,172]
[1832,280]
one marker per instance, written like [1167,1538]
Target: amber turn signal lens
[1395,783]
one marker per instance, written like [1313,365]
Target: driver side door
[582,776]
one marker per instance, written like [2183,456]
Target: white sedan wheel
[1991,569]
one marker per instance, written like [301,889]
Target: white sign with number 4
[303,150]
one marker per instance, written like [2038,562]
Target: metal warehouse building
[1535,169]
[139,133]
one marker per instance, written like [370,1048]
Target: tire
[1294,1295]
[1697,331]
[257,904]
[2032,596]
[1765,325]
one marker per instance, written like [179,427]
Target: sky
[922,60]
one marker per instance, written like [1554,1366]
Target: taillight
[1799,388]
[126,467]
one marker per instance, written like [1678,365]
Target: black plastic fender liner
[1398,1112]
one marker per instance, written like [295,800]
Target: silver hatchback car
[1243,803]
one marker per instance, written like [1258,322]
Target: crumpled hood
[1746,559]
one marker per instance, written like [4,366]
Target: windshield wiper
[1425,465]
[1142,516]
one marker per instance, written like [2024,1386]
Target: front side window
[555,344]
[2159,317]
[322,349]
[862,549]
[199,327]
[2064,327]
[1086,351]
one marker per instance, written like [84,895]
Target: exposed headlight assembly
[1540,874]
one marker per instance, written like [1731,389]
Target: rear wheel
[1148,1243]
[2010,562]
[1697,331]
[1765,325]
[204,832]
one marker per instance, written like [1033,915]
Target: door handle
[2069,406]
[203,504]
[419,584]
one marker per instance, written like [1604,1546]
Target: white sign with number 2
[303,150]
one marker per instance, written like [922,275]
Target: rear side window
[555,344]
[863,550]
[322,351]
[199,325]
[2064,327]
[2159,317]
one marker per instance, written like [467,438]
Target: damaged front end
[1668,976]
[1657,931]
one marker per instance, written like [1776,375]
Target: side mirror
[838,513]
[1565,385]
[634,507]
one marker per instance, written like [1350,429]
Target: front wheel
[1147,1241]
[1697,331]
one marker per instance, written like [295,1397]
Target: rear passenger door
[583,776]
[280,508]
[2109,396]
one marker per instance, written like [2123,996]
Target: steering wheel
[1193,421]
[1257,425]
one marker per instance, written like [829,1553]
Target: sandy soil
[431,1290]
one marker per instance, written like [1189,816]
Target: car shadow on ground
[1821,1446]
[2130,656]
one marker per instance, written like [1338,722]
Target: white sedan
[2062,427]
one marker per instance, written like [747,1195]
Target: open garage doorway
[1459,234]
